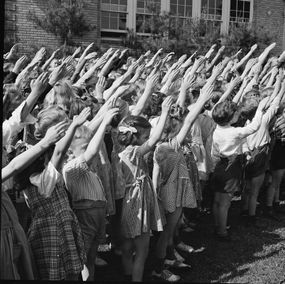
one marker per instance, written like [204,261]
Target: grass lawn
[255,256]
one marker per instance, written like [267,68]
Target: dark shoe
[225,238]
[244,213]
[270,214]
[278,208]
[252,221]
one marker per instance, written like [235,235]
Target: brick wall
[10,21]
[270,14]
[31,35]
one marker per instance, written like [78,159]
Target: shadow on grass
[248,253]
[253,252]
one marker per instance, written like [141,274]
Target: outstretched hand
[82,117]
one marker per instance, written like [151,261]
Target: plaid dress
[176,188]
[140,210]
[55,235]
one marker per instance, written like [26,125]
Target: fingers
[91,55]
[111,113]
[85,113]
[168,101]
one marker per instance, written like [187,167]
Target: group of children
[93,139]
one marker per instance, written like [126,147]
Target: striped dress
[175,187]
[140,209]
[55,235]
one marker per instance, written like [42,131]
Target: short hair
[247,109]
[224,111]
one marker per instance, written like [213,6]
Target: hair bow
[125,129]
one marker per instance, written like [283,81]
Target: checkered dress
[55,235]
[140,210]
[176,188]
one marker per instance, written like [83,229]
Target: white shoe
[185,247]
[178,256]
[104,247]
[166,275]
[176,263]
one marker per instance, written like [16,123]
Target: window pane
[173,8]
[122,22]
[240,11]
[181,11]
[105,22]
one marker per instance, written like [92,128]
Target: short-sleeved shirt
[82,182]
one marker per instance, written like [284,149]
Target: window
[113,14]
[240,11]
[211,10]
[181,11]
[144,14]
[181,8]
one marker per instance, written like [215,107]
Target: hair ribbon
[125,129]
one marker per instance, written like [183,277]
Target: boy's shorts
[258,163]
[227,175]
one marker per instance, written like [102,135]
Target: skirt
[17,261]
[141,212]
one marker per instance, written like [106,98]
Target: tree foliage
[64,19]
[184,36]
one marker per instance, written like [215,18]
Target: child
[258,146]
[172,181]
[227,153]
[86,189]
[16,257]
[140,211]
[54,235]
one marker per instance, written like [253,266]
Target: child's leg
[216,205]
[223,208]
[245,196]
[256,183]
[141,248]
[172,221]
[274,186]
[279,180]
[163,241]
[127,256]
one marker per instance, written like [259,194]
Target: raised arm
[95,143]
[38,88]
[158,130]
[22,161]
[153,59]
[234,82]
[213,62]
[246,57]
[150,84]
[47,63]
[63,145]
[195,109]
